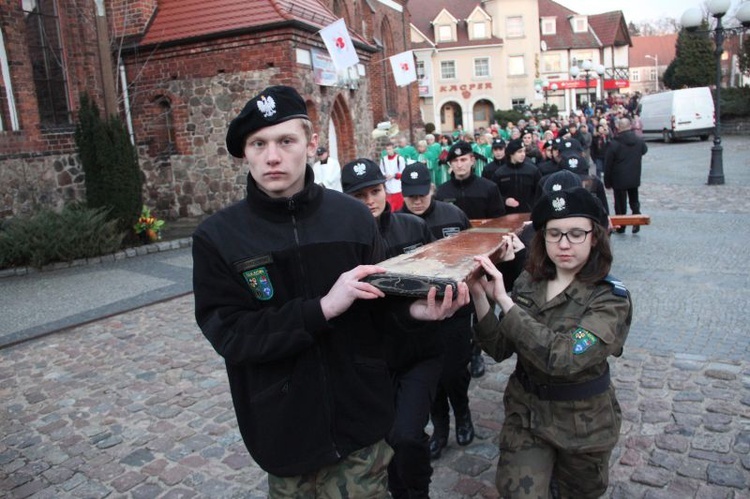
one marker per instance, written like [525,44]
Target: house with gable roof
[571,39]
[473,58]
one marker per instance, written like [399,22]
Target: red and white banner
[403,67]
[339,44]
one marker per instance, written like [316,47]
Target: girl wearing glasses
[565,317]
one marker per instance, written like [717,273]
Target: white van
[678,114]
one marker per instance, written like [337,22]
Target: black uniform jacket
[307,392]
[476,196]
[518,181]
[407,346]
[444,219]
[623,161]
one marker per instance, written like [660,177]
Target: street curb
[146,249]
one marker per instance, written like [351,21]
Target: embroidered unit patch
[259,282]
[583,340]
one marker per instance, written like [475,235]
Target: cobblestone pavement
[137,404]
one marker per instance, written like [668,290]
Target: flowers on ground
[148,227]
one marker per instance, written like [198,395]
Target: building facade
[177,72]
[474,58]
[568,40]
[478,57]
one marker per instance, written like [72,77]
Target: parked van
[678,114]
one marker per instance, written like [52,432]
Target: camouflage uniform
[363,474]
[551,431]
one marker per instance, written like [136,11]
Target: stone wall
[34,182]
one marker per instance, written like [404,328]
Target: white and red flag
[403,67]
[339,44]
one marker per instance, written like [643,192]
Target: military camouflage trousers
[362,474]
[528,466]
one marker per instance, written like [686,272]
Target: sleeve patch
[583,340]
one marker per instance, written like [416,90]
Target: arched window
[47,63]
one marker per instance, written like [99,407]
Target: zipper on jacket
[319,352]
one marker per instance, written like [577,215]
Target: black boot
[464,429]
[477,363]
[437,444]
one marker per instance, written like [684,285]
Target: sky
[635,10]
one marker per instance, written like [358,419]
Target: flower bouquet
[148,227]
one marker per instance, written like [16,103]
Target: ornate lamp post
[545,87]
[691,20]
[587,68]
[656,68]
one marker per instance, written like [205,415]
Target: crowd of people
[334,383]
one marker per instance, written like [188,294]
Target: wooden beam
[445,262]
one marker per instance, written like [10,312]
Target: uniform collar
[301,204]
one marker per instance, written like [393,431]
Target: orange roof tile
[177,20]
[423,12]
[662,47]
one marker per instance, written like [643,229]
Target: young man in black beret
[278,293]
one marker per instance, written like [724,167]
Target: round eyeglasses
[574,236]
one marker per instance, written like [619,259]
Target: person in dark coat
[445,220]
[517,179]
[278,287]
[478,198]
[498,158]
[415,358]
[622,169]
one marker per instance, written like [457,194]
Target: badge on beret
[558,204]
[267,106]
[359,169]
[583,340]
[573,163]
[457,151]
[414,175]
[557,187]
[259,282]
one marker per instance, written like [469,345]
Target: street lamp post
[656,68]
[545,87]
[691,20]
[587,68]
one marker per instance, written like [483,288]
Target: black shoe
[477,365]
[621,230]
[636,229]
[437,444]
[464,429]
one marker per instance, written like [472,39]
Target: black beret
[514,146]
[272,106]
[321,150]
[574,161]
[415,180]
[459,148]
[498,144]
[560,181]
[360,173]
[568,145]
[548,144]
[576,202]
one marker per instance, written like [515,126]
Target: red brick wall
[129,17]
[78,35]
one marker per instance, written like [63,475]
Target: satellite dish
[544,46]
